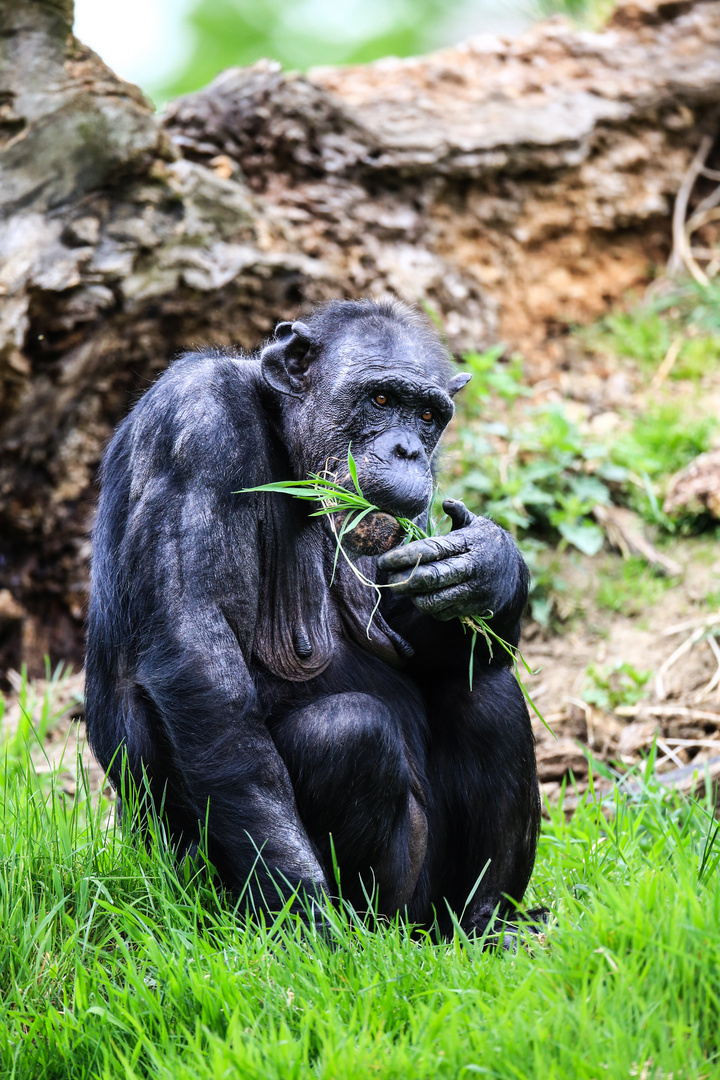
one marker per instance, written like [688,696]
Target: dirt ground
[668,643]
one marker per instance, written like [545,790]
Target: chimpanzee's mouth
[374,535]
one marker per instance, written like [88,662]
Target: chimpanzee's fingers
[444,604]
[423,551]
[458,513]
[431,577]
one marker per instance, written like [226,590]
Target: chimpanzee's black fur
[231,669]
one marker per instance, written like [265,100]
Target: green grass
[38,711]
[664,439]
[112,965]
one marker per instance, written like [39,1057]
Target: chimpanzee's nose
[408,449]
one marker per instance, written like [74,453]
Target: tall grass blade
[352,469]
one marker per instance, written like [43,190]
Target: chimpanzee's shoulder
[204,418]
[203,388]
[211,373]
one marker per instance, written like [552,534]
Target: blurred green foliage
[537,472]
[689,316]
[540,470]
[630,586]
[225,33]
[664,439]
[592,13]
[614,685]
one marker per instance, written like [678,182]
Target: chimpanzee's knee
[353,781]
[344,748]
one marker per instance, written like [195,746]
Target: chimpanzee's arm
[219,759]
[174,606]
[474,570]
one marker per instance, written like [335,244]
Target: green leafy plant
[539,475]
[642,335]
[631,586]
[697,305]
[333,499]
[489,377]
[544,582]
[614,685]
[663,440]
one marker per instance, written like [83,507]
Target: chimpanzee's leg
[483,802]
[353,781]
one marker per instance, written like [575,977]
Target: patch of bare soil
[669,644]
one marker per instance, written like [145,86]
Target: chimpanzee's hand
[475,570]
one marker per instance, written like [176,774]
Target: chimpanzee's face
[391,409]
[377,392]
[377,383]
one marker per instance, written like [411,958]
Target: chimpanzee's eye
[380,399]
[427,416]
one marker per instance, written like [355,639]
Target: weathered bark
[514,186]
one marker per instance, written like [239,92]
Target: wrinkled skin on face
[381,388]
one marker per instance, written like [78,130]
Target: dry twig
[668,363]
[715,680]
[630,712]
[706,621]
[623,529]
[680,256]
[669,753]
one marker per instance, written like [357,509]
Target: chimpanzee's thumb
[458,514]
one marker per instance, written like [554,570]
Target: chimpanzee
[248,682]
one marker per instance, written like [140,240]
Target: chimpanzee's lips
[374,535]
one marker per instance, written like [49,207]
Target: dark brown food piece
[374,535]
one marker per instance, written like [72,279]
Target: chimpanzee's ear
[457,382]
[285,362]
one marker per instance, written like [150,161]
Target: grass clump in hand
[334,499]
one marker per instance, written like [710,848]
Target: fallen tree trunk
[513,186]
